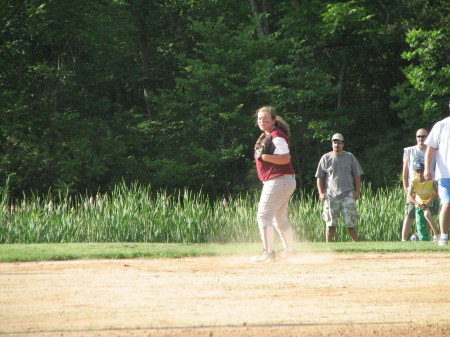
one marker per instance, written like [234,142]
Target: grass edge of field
[134,250]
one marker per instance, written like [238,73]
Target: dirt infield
[315,294]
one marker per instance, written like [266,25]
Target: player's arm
[411,196]
[279,159]
[429,156]
[321,188]
[405,173]
[357,192]
[281,154]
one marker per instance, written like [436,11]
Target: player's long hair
[280,122]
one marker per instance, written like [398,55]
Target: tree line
[163,92]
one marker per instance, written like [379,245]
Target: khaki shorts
[332,209]
[434,207]
[410,210]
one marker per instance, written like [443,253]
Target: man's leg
[353,233]
[409,212]
[444,215]
[407,224]
[330,233]
[444,218]
[331,213]
[350,214]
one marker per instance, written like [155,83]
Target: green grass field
[78,251]
[137,222]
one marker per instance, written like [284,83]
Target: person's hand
[322,196]
[262,145]
[259,152]
[356,195]
[428,174]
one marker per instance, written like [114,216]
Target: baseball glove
[263,145]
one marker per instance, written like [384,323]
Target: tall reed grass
[138,214]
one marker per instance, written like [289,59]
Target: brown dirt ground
[315,294]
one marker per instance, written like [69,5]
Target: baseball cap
[338,136]
[418,164]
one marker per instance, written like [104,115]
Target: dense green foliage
[163,92]
[139,214]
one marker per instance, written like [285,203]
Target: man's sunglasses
[422,136]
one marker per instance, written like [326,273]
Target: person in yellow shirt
[423,193]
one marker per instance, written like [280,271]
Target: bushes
[137,214]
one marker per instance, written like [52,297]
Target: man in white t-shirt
[410,154]
[438,145]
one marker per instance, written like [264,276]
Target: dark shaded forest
[160,92]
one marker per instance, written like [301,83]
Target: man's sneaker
[265,257]
[443,242]
[286,254]
[436,237]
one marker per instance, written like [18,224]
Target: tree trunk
[262,26]
[144,54]
[341,82]
[295,4]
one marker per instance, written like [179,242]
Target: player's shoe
[286,254]
[436,237]
[265,257]
[443,242]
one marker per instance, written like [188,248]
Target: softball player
[274,167]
